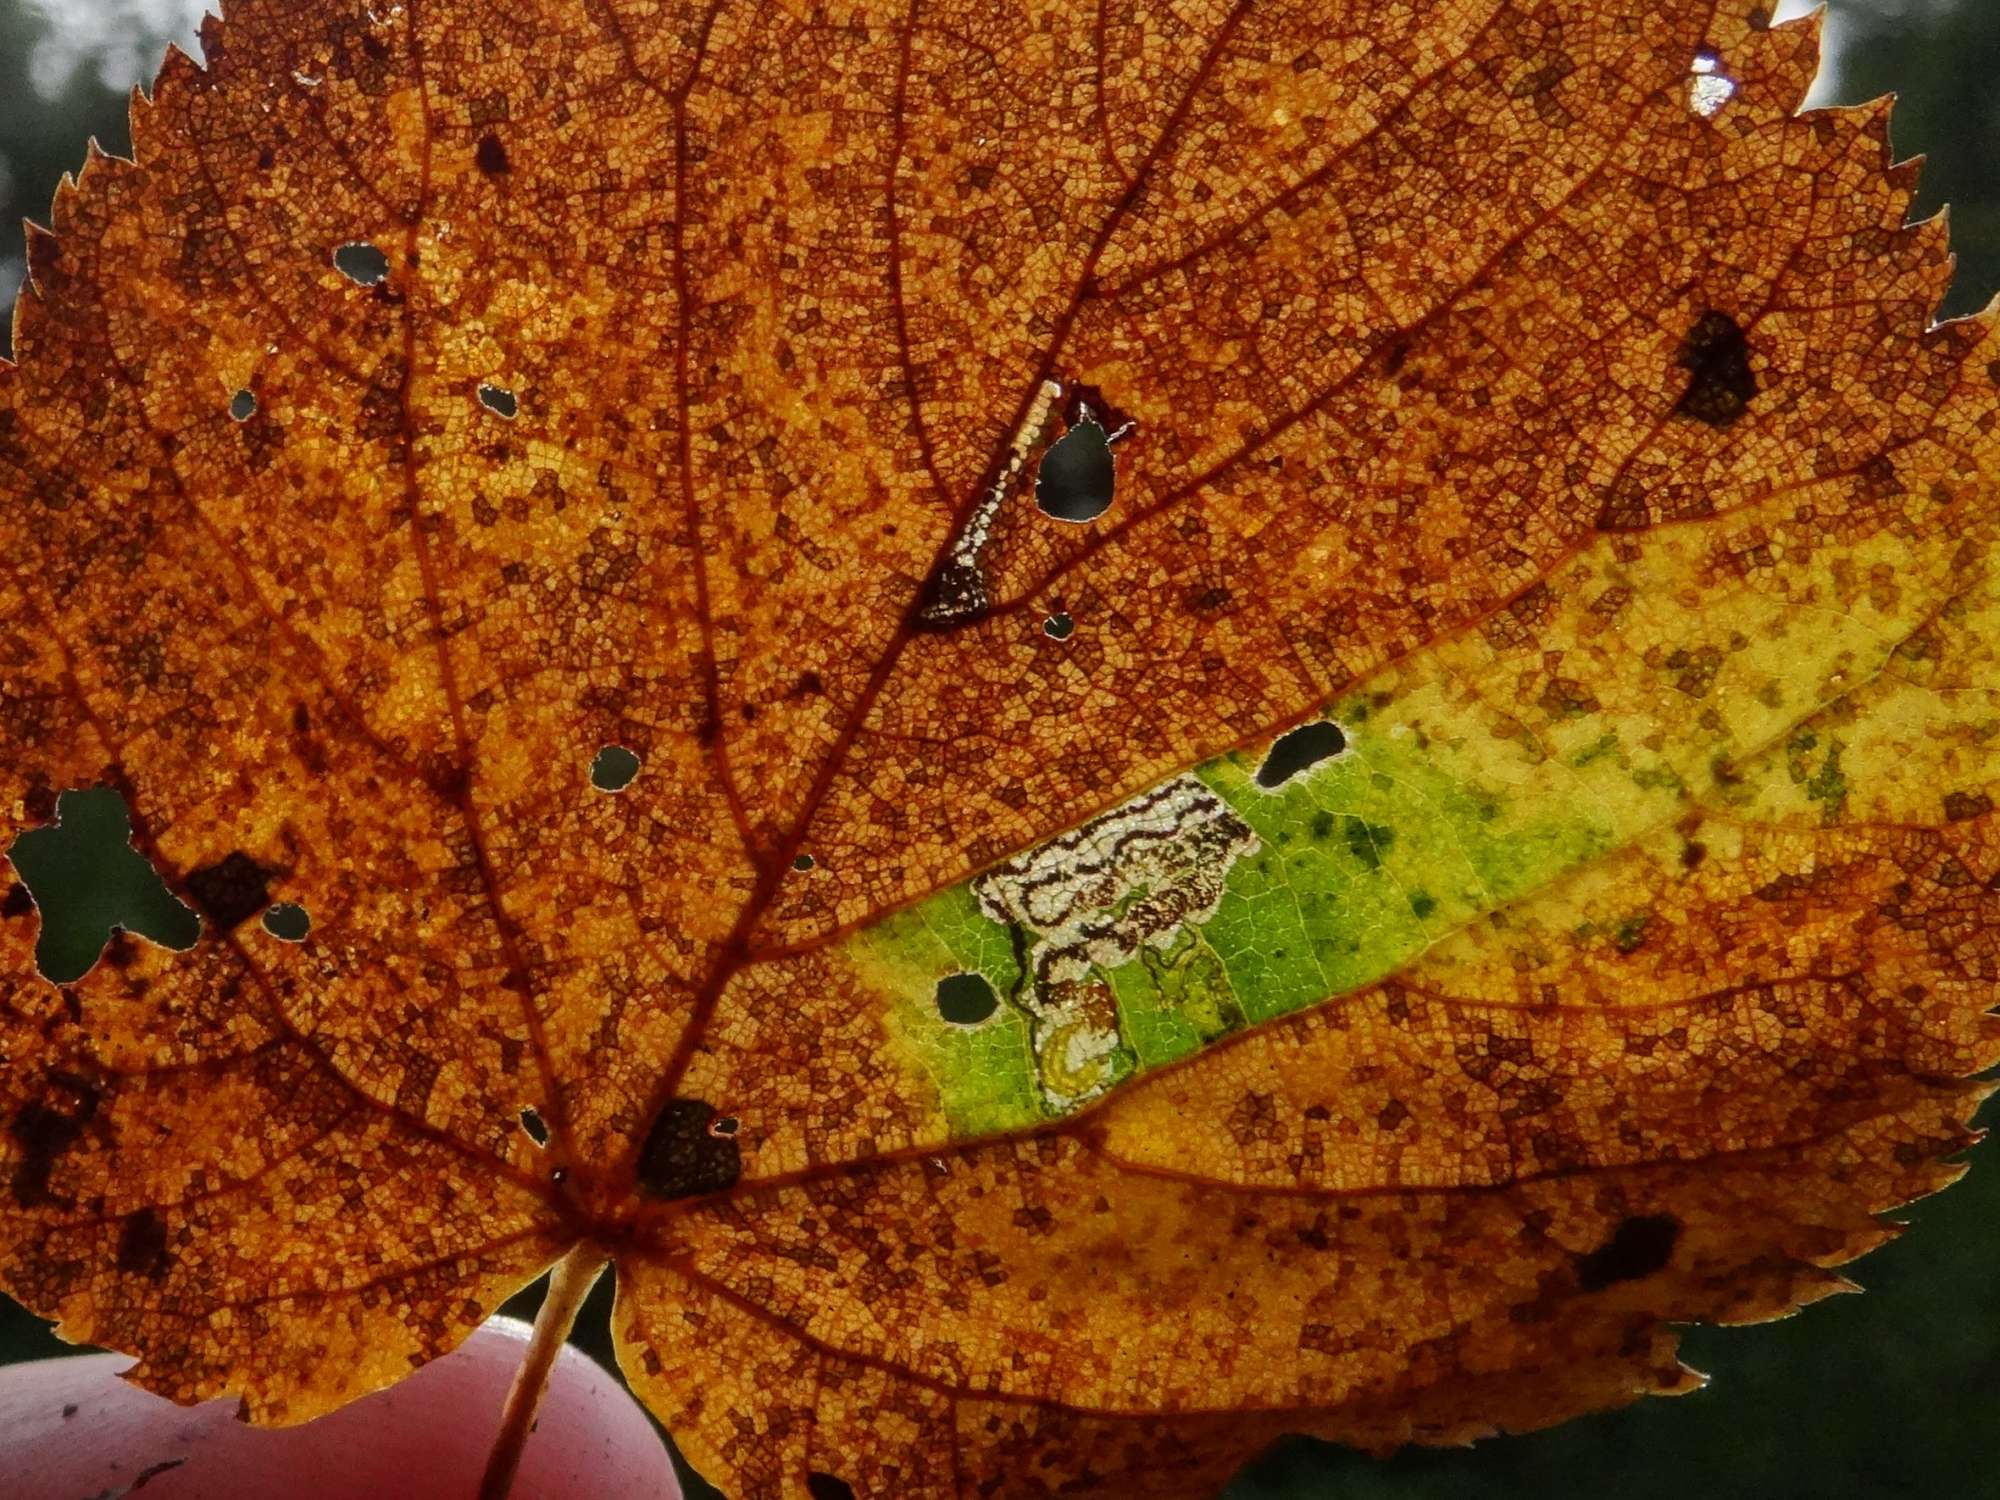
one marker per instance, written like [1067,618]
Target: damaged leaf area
[1450,831]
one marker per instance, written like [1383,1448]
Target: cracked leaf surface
[619,618]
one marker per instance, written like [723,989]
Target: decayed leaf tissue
[1451,830]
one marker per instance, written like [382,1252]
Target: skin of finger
[71,1428]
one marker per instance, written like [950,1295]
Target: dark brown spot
[142,1245]
[954,595]
[1961,807]
[44,252]
[1641,1245]
[232,890]
[1721,383]
[17,903]
[46,1132]
[682,1157]
[491,155]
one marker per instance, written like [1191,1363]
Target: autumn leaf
[1103,729]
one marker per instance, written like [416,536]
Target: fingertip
[72,1427]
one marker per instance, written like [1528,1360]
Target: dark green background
[1890,1394]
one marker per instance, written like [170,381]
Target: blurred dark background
[1890,1394]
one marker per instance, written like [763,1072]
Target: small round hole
[242,406]
[966,999]
[288,922]
[724,1126]
[803,862]
[361,263]
[499,400]
[613,769]
[1059,626]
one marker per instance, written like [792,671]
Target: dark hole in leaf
[828,1487]
[723,1128]
[88,881]
[683,1157]
[1076,475]
[966,999]
[361,263]
[802,862]
[499,400]
[491,155]
[1639,1246]
[1300,750]
[1721,382]
[242,406]
[288,922]
[532,1122]
[613,769]
[1059,626]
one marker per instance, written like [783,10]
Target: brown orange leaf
[1104,728]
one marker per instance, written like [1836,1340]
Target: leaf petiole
[570,1282]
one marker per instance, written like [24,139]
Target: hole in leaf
[802,862]
[1059,626]
[242,406]
[724,1127]
[1299,750]
[499,400]
[288,922]
[1638,1247]
[828,1487]
[1075,478]
[531,1121]
[613,769]
[966,999]
[1721,382]
[361,263]
[89,882]
[1709,88]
